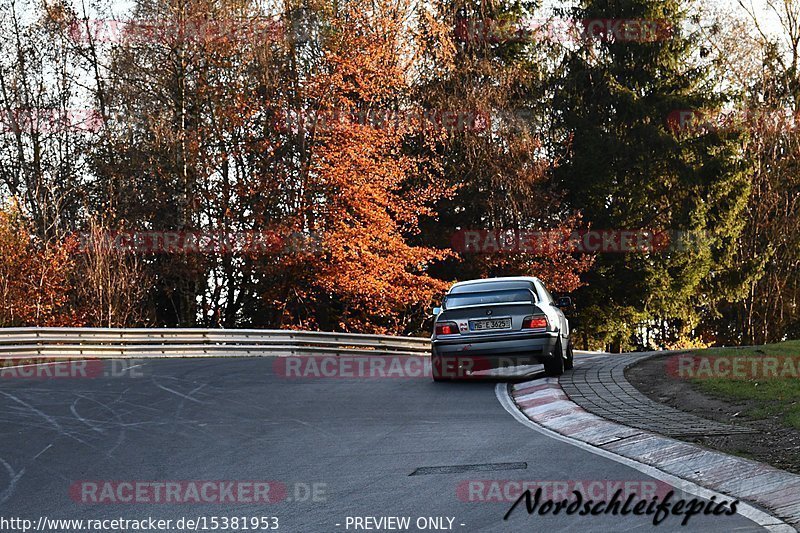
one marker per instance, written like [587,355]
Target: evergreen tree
[626,166]
[485,58]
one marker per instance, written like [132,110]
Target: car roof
[478,282]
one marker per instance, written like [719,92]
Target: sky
[767,17]
[760,7]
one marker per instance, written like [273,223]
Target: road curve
[355,442]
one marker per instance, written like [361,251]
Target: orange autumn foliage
[34,277]
[362,203]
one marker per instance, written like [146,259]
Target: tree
[482,60]
[625,167]
[46,127]
[353,188]
[769,246]
[108,283]
[34,277]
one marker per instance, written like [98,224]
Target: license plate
[491,324]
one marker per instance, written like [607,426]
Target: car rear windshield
[491,286]
[455,301]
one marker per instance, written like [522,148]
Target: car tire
[555,365]
[569,364]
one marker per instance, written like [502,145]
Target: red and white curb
[695,469]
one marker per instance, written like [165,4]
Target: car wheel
[555,365]
[437,369]
[569,364]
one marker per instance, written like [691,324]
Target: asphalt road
[350,444]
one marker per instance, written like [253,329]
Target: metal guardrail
[24,343]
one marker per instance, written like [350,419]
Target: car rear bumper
[499,350]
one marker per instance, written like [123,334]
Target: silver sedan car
[499,322]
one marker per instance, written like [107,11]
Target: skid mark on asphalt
[13,478]
[180,394]
[99,420]
[43,450]
[190,395]
[118,424]
[73,409]
[311,426]
[50,420]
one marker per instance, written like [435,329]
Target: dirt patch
[774,443]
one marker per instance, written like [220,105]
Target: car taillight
[535,322]
[446,328]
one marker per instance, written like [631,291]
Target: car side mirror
[436,311]
[564,301]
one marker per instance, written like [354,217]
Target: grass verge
[766,377]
